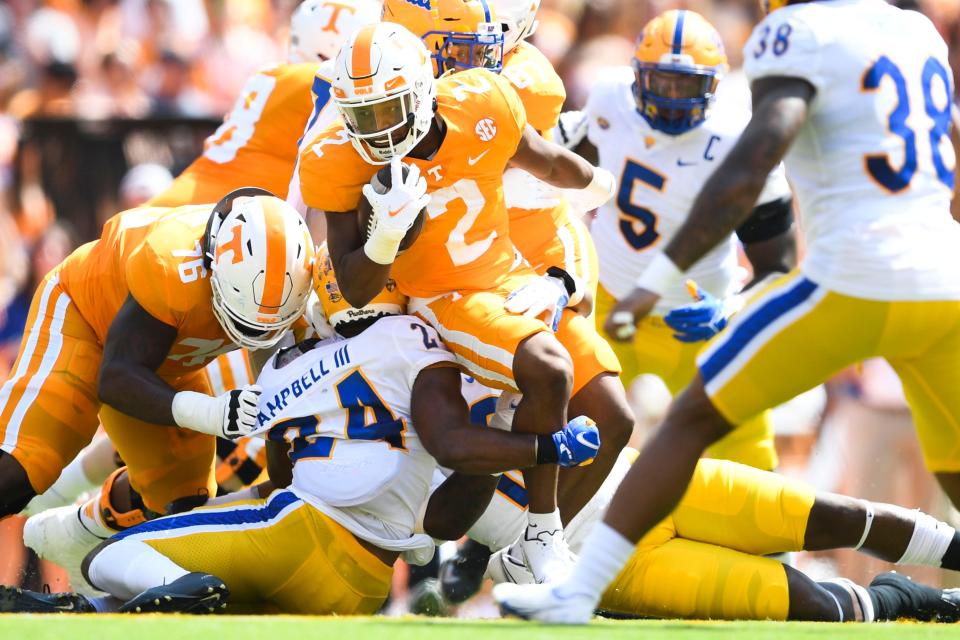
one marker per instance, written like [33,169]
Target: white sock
[545,521]
[602,557]
[129,567]
[929,541]
[72,482]
[92,519]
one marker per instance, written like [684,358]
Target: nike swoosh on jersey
[473,161]
[681,163]
[581,439]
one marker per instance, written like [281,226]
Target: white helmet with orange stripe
[260,255]
[519,20]
[383,88]
[318,28]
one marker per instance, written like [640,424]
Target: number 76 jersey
[873,165]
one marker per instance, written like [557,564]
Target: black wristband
[546,450]
[568,282]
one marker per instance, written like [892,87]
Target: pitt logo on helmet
[679,61]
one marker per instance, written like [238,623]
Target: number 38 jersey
[658,178]
[873,165]
[465,242]
[344,406]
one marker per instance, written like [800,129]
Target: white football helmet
[519,20]
[318,28]
[383,88]
[261,257]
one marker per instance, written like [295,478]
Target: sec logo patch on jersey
[486,129]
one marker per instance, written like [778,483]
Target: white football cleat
[545,553]
[506,565]
[58,536]
[553,603]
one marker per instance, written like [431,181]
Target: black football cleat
[897,596]
[193,593]
[462,575]
[15,600]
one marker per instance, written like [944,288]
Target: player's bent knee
[15,488]
[542,366]
[810,601]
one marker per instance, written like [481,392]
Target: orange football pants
[49,410]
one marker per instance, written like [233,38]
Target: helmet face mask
[459,50]
[674,100]
[678,64]
[383,88]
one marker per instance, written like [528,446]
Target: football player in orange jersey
[257,142]
[123,328]
[461,131]
[464,34]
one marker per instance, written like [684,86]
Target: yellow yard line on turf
[157,627]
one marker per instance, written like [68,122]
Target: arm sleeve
[768,220]
[785,45]
[420,346]
[155,284]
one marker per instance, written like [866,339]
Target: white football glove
[230,415]
[544,297]
[571,129]
[394,212]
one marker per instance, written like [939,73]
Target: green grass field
[100,627]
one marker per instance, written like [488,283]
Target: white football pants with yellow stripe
[279,554]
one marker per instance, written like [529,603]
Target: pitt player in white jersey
[364,420]
[856,94]
[656,127]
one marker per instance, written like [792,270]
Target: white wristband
[382,248]
[196,411]
[601,188]
[660,275]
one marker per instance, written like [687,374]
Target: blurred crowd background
[103,101]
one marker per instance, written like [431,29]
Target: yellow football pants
[278,554]
[655,350]
[795,334]
[706,560]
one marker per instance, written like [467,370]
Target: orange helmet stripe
[276,241]
[360,68]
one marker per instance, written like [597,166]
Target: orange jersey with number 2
[465,243]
